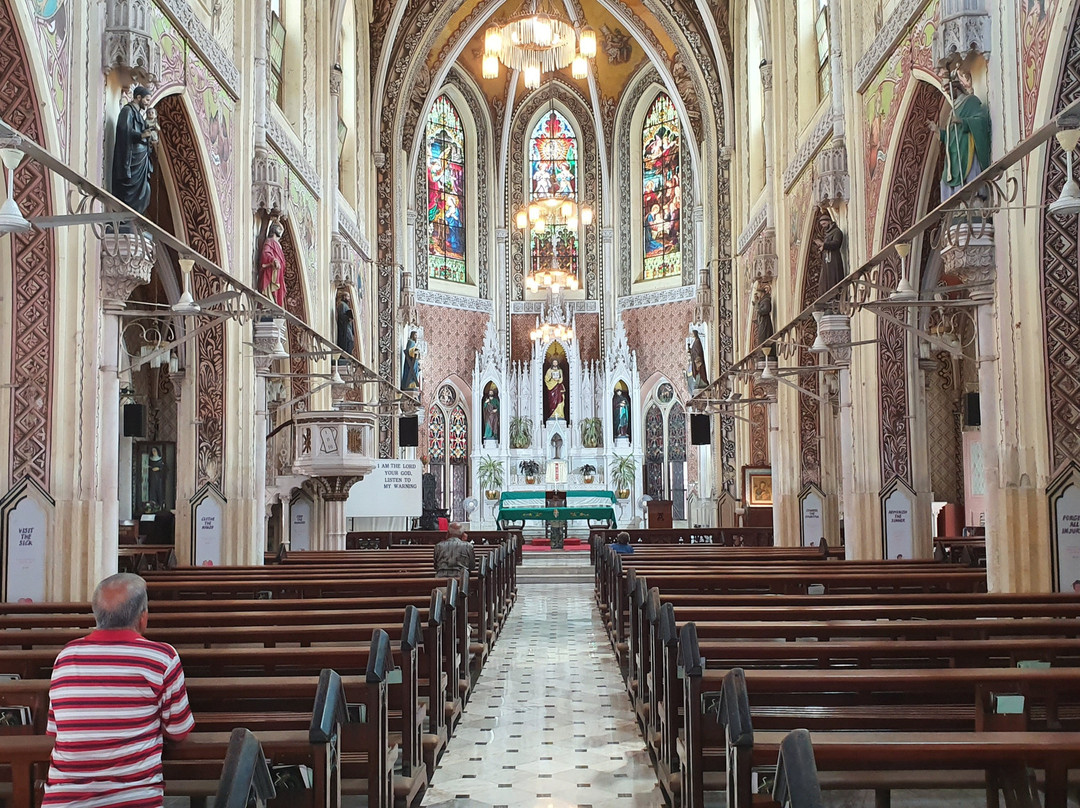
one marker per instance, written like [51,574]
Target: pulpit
[555,528]
[658,512]
[554,499]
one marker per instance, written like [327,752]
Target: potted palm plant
[531,469]
[623,469]
[592,431]
[490,474]
[588,473]
[520,432]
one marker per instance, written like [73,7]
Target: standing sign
[899,522]
[25,557]
[1066,506]
[208,529]
[393,488]
[300,529]
[811,506]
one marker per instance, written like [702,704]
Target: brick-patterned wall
[453,339]
[520,344]
[587,333]
[658,334]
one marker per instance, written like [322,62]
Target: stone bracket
[128,41]
[127,260]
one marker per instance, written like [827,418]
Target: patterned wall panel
[453,338]
[587,333]
[520,344]
[901,210]
[759,429]
[943,419]
[809,407]
[294,304]
[196,205]
[658,334]
[1061,285]
[34,285]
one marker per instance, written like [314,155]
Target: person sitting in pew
[454,553]
[622,543]
[113,698]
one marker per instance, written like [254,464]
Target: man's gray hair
[455,531]
[119,601]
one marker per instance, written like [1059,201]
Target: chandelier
[555,323]
[536,42]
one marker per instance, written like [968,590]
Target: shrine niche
[620,412]
[556,389]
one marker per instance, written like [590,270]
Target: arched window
[446,193]
[665,449]
[553,155]
[448,450]
[661,200]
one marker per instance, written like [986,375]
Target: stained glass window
[436,435]
[676,433]
[446,192]
[661,177]
[654,453]
[459,435]
[553,156]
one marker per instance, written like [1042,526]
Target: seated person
[622,543]
[454,554]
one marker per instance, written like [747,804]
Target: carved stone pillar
[268,192]
[334,493]
[129,45]
[832,183]
[763,266]
[835,332]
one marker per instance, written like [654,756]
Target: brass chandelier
[536,42]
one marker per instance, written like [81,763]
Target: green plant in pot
[623,470]
[588,472]
[531,469]
[592,433]
[490,473]
[520,432]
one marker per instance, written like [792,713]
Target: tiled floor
[549,723]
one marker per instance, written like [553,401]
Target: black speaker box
[134,421]
[408,431]
[972,410]
[700,429]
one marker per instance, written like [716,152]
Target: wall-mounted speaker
[134,421]
[700,429]
[972,410]
[408,431]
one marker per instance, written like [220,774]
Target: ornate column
[126,262]
[835,332]
[767,124]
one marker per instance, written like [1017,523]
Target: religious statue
[763,322]
[966,136]
[272,265]
[490,413]
[556,445]
[620,413]
[132,166]
[410,364]
[156,473]
[346,333]
[832,262]
[555,391]
[697,375]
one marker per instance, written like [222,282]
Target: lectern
[555,528]
[658,512]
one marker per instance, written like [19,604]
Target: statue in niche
[763,321]
[272,265]
[556,446]
[132,166]
[620,412]
[832,261]
[489,412]
[965,137]
[555,389]
[697,375]
[410,364]
[346,333]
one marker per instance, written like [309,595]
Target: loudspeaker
[134,421]
[700,430]
[408,429]
[972,410]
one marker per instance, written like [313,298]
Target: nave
[549,723]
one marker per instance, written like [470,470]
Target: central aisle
[549,723]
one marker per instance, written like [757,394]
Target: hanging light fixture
[1068,201]
[11,218]
[186,303]
[555,323]
[904,290]
[537,41]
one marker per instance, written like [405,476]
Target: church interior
[278,275]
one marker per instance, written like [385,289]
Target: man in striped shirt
[114,696]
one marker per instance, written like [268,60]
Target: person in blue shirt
[622,543]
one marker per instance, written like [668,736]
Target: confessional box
[658,512]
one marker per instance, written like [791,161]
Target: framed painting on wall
[757,487]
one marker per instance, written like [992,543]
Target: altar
[522,506]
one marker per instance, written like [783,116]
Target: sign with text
[208,529]
[811,508]
[25,562]
[898,512]
[392,489]
[300,524]
[1067,537]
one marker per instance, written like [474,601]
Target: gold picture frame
[758,490]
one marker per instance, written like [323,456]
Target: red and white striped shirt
[114,694]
